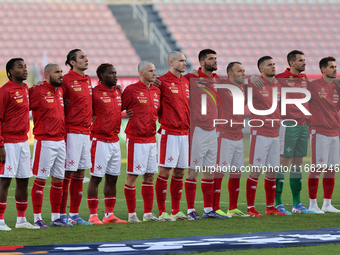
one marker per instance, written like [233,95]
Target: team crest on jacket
[322,94]
[155,95]
[17,93]
[104,94]
[48,93]
[141,94]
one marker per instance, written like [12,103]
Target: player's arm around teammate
[143,98]
[105,150]
[46,103]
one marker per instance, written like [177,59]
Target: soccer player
[264,138]
[324,106]
[173,137]
[46,103]
[293,139]
[14,147]
[78,117]
[144,100]
[230,141]
[105,150]
[203,136]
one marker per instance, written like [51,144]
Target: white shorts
[325,150]
[173,150]
[49,159]
[18,161]
[105,158]
[264,151]
[78,152]
[203,148]
[141,158]
[231,154]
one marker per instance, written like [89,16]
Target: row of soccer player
[169,102]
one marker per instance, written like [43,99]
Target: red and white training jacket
[47,105]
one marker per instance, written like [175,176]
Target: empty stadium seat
[245,32]
[31,29]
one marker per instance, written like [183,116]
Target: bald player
[46,103]
[143,99]
[173,136]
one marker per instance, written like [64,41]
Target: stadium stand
[37,30]
[245,32]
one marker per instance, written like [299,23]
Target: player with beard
[203,136]
[230,141]
[78,117]
[173,137]
[47,105]
[293,139]
[264,139]
[14,147]
[105,150]
[324,139]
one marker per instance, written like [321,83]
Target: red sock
[176,186]
[2,209]
[218,177]
[21,206]
[233,189]
[56,193]
[328,182]
[161,190]
[147,193]
[37,195]
[313,184]
[76,193]
[190,192]
[207,186]
[66,182]
[270,189]
[93,204]
[110,202]
[130,196]
[251,191]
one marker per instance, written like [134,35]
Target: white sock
[207,209]
[21,219]
[108,214]
[55,216]
[37,216]
[326,202]
[2,221]
[63,214]
[191,210]
[92,215]
[313,203]
[147,214]
[72,214]
[131,214]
